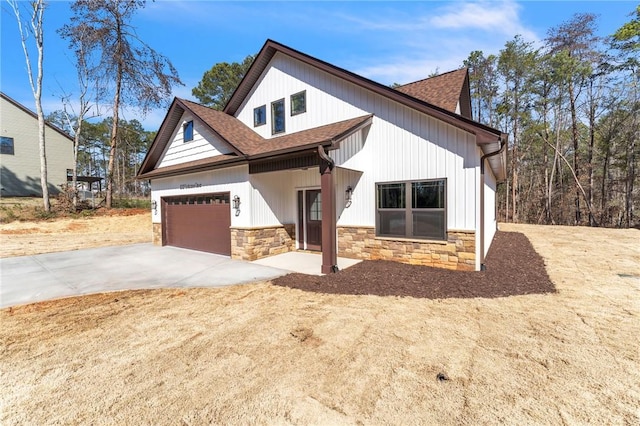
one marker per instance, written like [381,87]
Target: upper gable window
[299,103]
[187,129]
[6,145]
[277,116]
[260,116]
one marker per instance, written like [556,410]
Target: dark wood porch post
[327,189]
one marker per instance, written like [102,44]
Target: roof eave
[271,47]
[160,173]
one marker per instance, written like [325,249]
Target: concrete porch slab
[302,262]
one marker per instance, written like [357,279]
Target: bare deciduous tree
[137,75]
[33,27]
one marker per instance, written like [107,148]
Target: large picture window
[414,209]
[277,116]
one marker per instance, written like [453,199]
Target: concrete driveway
[28,279]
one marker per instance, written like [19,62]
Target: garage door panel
[199,223]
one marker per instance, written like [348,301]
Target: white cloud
[414,44]
[497,17]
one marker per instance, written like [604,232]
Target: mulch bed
[513,268]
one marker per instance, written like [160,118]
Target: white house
[20,152]
[309,156]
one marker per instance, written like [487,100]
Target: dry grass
[273,355]
[28,238]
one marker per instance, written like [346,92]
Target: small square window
[260,116]
[299,103]
[6,145]
[188,131]
[277,116]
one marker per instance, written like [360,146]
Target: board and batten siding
[274,196]
[328,99]
[205,144]
[401,144]
[391,154]
[234,180]
[490,216]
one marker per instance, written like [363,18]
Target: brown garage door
[198,222]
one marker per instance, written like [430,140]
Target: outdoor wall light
[236,204]
[154,206]
[347,196]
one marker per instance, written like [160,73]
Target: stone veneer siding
[458,252]
[156,232]
[256,243]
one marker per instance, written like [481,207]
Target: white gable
[205,144]
[328,98]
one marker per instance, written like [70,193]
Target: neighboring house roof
[34,115]
[245,143]
[444,90]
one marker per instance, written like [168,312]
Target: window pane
[259,115]
[299,103]
[315,212]
[392,223]
[428,195]
[391,196]
[6,145]
[277,116]
[188,131]
[429,224]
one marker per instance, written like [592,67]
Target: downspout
[483,267]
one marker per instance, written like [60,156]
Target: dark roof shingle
[443,90]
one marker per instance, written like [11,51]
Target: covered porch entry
[309,186]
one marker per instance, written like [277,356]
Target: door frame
[301,217]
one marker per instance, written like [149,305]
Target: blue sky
[384,41]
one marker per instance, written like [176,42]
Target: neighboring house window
[188,131]
[412,209]
[6,145]
[260,116]
[299,103]
[277,116]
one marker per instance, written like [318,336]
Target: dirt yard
[27,238]
[267,354]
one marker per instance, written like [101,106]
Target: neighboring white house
[20,153]
[310,156]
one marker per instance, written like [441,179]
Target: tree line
[569,105]
[571,108]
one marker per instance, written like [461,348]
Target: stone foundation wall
[156,234]
[256,243]
[458,252]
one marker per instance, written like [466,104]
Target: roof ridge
[435,76]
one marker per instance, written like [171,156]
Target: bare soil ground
[269,354]
[119,227]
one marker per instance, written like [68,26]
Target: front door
[310,219]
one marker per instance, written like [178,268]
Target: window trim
[273,117]
[184,131]
[12,145]
[264,119]
[409,210]
[303,92]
